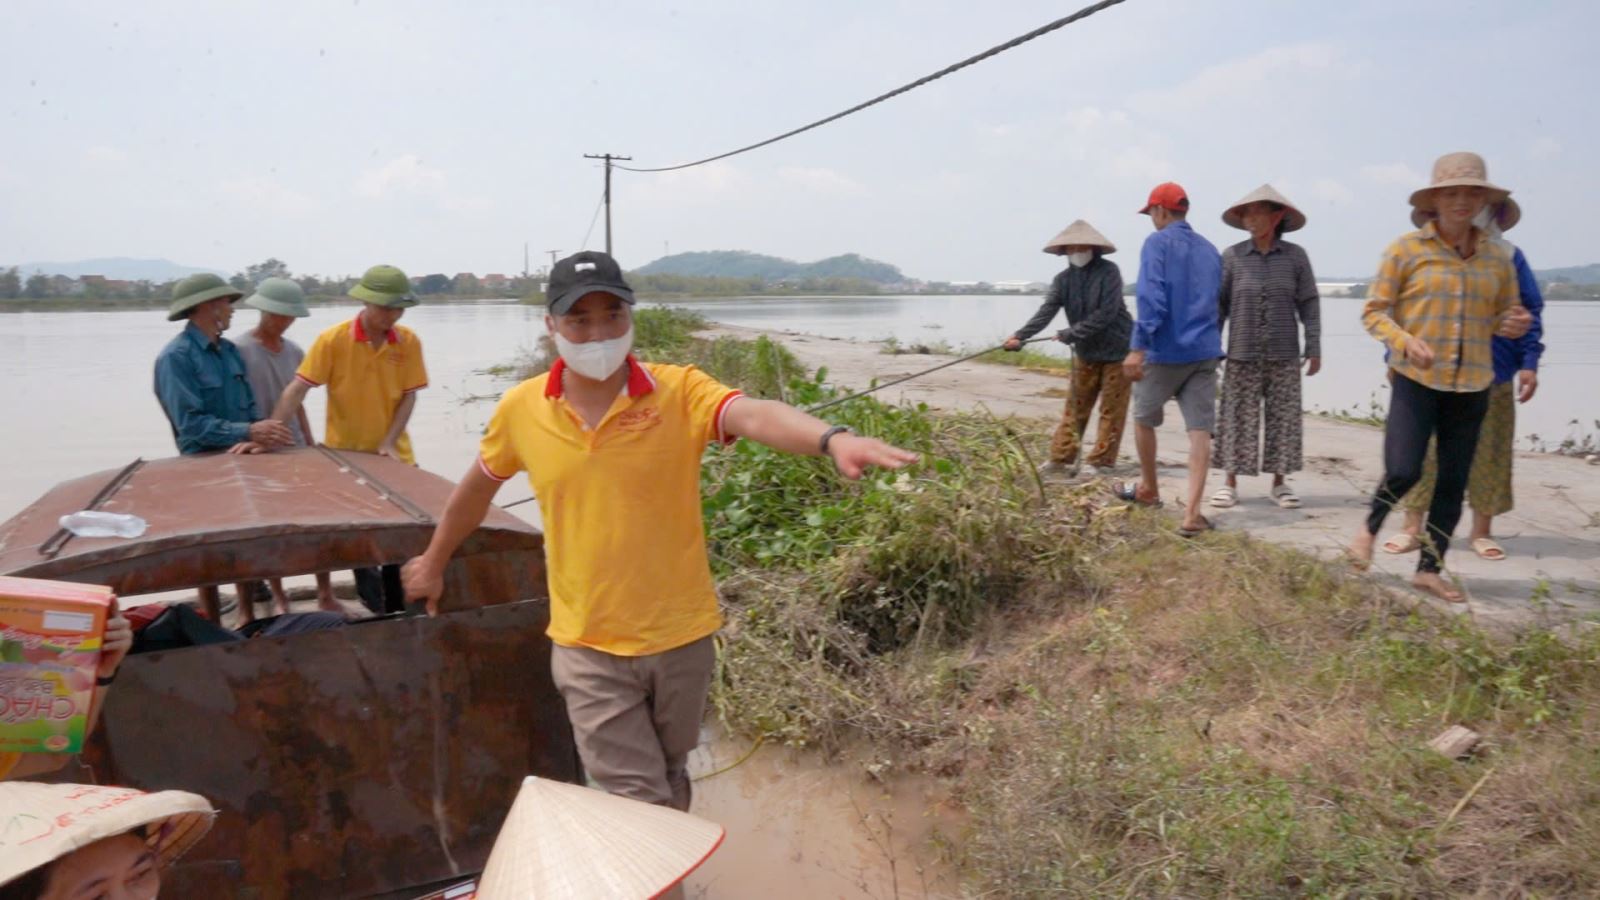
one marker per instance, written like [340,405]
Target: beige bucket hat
[565,842]
[1506,215]
[1461,169]
[1079,233]
[44,822]
[1293,218]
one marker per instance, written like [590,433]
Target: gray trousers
[636,718]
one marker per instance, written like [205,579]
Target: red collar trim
[640,381]
[360,334]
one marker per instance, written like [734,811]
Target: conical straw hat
[1079,233]
[40,823]
[1293,219]
[565,842]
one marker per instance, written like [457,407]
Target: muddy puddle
[799,826]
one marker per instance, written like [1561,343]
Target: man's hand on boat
[247,447]
[270,433]
[422,582]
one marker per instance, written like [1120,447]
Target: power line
[592,219]
[971,60]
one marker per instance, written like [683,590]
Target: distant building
[495,282]
[1013,287]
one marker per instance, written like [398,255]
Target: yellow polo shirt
[625,546]
[364,385]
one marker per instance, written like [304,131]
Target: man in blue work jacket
[200,377]
[1177,341]
[201,384]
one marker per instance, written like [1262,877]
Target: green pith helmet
[195,290]
[281,296]
[385,286]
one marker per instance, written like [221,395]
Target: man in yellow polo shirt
[612,448]
[373,369]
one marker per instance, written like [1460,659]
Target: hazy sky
[441,136]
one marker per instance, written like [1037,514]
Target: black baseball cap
[584,273]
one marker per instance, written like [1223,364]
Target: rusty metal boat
[374,760]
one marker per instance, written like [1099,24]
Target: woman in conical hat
[71,841]
[1440,295]
[1268,296]
[1489,480]
[1089,291]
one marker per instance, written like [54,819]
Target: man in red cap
[1177,340]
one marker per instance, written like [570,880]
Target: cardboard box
[50,636]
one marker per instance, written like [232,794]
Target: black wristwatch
[104,680]
[828,436]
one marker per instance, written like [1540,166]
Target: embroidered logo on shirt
[639,419]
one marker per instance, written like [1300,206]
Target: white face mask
[595,360]
[1081,258]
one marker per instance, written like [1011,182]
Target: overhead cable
[992,51]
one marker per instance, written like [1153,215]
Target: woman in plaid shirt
[1441,293]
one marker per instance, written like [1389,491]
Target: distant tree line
[39,286]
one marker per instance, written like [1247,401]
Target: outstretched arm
[1047,311]
[782,427]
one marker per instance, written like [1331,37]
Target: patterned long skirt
[1253,391]
[1489,484]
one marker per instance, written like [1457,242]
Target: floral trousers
[1254,391]
[1091,381]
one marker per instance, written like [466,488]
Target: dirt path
[1552,537]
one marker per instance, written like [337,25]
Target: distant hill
[117,267]
[744,264]
[1589,274]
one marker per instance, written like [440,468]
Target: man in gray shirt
[270,361]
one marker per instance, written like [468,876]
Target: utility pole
[524,259]
[552,258]
[608,159]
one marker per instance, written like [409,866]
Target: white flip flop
[1225,497]
[1285,496]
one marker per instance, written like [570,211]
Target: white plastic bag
[94,523]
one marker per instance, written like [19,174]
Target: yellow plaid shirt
[1425,289]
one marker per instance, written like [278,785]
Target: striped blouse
[1266,298]
[1425,289]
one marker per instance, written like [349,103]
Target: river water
[78,398]
[1352,375]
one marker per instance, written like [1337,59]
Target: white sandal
[1224,497]
[1285,495]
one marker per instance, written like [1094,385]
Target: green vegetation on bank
[1116,711]
[1026,358]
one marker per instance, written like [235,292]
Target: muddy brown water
[802,827]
